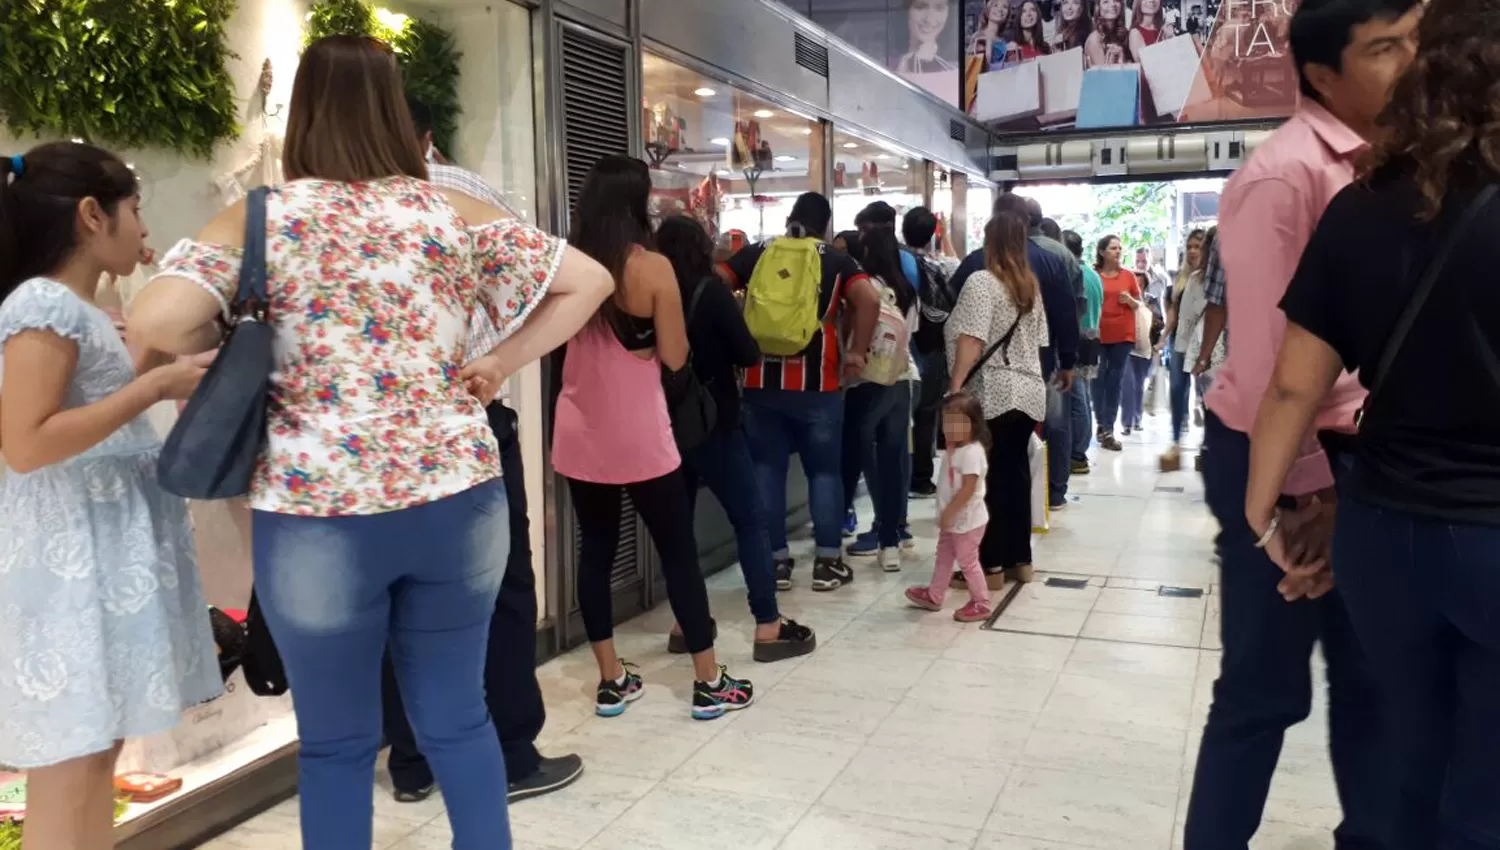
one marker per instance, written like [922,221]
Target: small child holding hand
[962,515]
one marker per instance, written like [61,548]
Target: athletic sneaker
[1079,467]
[1109,443]
[550,775]
[712,700]
[851,523]
[614,696]
[904,534]
[831,574]
[890,559]
[974,612]
[784,573]
[868,544]
[921,597]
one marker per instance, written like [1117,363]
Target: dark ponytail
[39,196]
[880,255]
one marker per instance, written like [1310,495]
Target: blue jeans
[875,442]
[1423,595]
[1265,685]
[1133,391]
[1181,390]
[1082,409]
[335,591]
[779,422]
[723,463]
[1113,363]
[1059,444]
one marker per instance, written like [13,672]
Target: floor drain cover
[1170,489]
[1069,583]
[1181,592]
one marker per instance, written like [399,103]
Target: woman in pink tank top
[612,436]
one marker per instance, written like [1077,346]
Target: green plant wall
[425,51]
[119,73]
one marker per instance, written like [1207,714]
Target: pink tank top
[611,425]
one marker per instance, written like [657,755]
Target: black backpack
[936,300]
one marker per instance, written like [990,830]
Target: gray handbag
[212,450]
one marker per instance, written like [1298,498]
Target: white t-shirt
[964,460]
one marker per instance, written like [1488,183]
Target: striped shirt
[483,335]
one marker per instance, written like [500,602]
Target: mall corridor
[1073,722]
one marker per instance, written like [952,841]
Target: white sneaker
[890,559]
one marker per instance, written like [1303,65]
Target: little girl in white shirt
[962,515]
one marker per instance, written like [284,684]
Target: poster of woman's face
[924,44]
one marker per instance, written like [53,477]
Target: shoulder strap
[250,299]
[1002,342]
[1424,290]
[693,300]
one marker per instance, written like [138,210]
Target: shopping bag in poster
[1062,82]
[1173,73]
[1010,93]
[1041,520]
[943,84]
[1110,97]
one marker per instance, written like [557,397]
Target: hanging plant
[425,51]
[133,75]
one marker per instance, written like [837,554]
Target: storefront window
[981,198]
[865,172]
[942,199]
[731,160]
[496,132]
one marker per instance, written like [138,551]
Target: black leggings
[1007,491]
[664,506]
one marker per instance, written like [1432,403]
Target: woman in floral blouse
[379,513]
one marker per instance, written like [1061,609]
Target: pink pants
[963,549]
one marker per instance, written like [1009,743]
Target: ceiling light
[705,92]
[764,113]
[722,173]
[785,158]
[850,146]
[883,156]
[807,131]
[721,142]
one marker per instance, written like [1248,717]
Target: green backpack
[781,302]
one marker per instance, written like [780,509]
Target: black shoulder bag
[1419,297]
[691,406]
[212,450]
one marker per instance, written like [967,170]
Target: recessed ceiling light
[785,158]
[721,142]
[764,113]
[705,92]
[850,145]
[807,131]
[883,156]
[722,173]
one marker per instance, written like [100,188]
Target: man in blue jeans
[796,403]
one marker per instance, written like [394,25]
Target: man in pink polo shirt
[1348,54]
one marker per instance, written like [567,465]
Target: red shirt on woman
[1116,320]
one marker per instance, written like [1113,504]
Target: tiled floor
[1075,723]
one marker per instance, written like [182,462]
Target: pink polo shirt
[1266,216]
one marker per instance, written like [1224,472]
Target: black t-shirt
[1430,443]
[819,367]
[720,343]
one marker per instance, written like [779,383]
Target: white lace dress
[104,632]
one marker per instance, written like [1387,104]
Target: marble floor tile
[1011,650]
[918,785]
[1104,658]
[946,731]
[1133,628]
[826,829]
[814,709]
[1090,811]
[1141,603]
[789,765]
[569,820]
[1156,762]
[1027,616]
[982,689]
[679,817]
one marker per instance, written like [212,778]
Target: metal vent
[625,572]
[958,131]
[812,55]
[596,117]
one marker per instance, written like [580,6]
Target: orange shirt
[1116,320]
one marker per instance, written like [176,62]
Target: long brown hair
[968,405]
[1005,257]
[1442,124]
[348,121]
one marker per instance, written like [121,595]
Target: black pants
[1265,685]
[511,689]
[664,506]
[925,418]
[1007,539]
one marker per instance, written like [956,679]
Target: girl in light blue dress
[104,632]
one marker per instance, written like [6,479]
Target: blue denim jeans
[1181,389]
[335,591]
[1113,366]
[1081,406]
[780,422]
[1265,685]
[1423,595]
[723,463]
[1059,444]
[876,422]
[1133,391]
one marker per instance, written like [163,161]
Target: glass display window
[979,200]
[865,172]
[731,160]
[942,203]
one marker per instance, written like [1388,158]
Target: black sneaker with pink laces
[712,699]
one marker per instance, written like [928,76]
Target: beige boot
[1171,460]
[1025,574]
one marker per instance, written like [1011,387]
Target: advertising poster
[1108,64]
[917,39]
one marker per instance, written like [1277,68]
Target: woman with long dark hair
[721,344]
[1416,535]
[877,417]
[1030,34]
[1109,43]
[612,436]
[1117,336]
[1073,25]
[380,518]
[1000,310]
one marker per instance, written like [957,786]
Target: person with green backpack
[802,297]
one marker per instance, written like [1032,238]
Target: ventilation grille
[812,55]
[958,131]
[596,120]
[625,572]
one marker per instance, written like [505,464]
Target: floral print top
[372,287]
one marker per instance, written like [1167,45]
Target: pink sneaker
[974,612]
[921,597]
